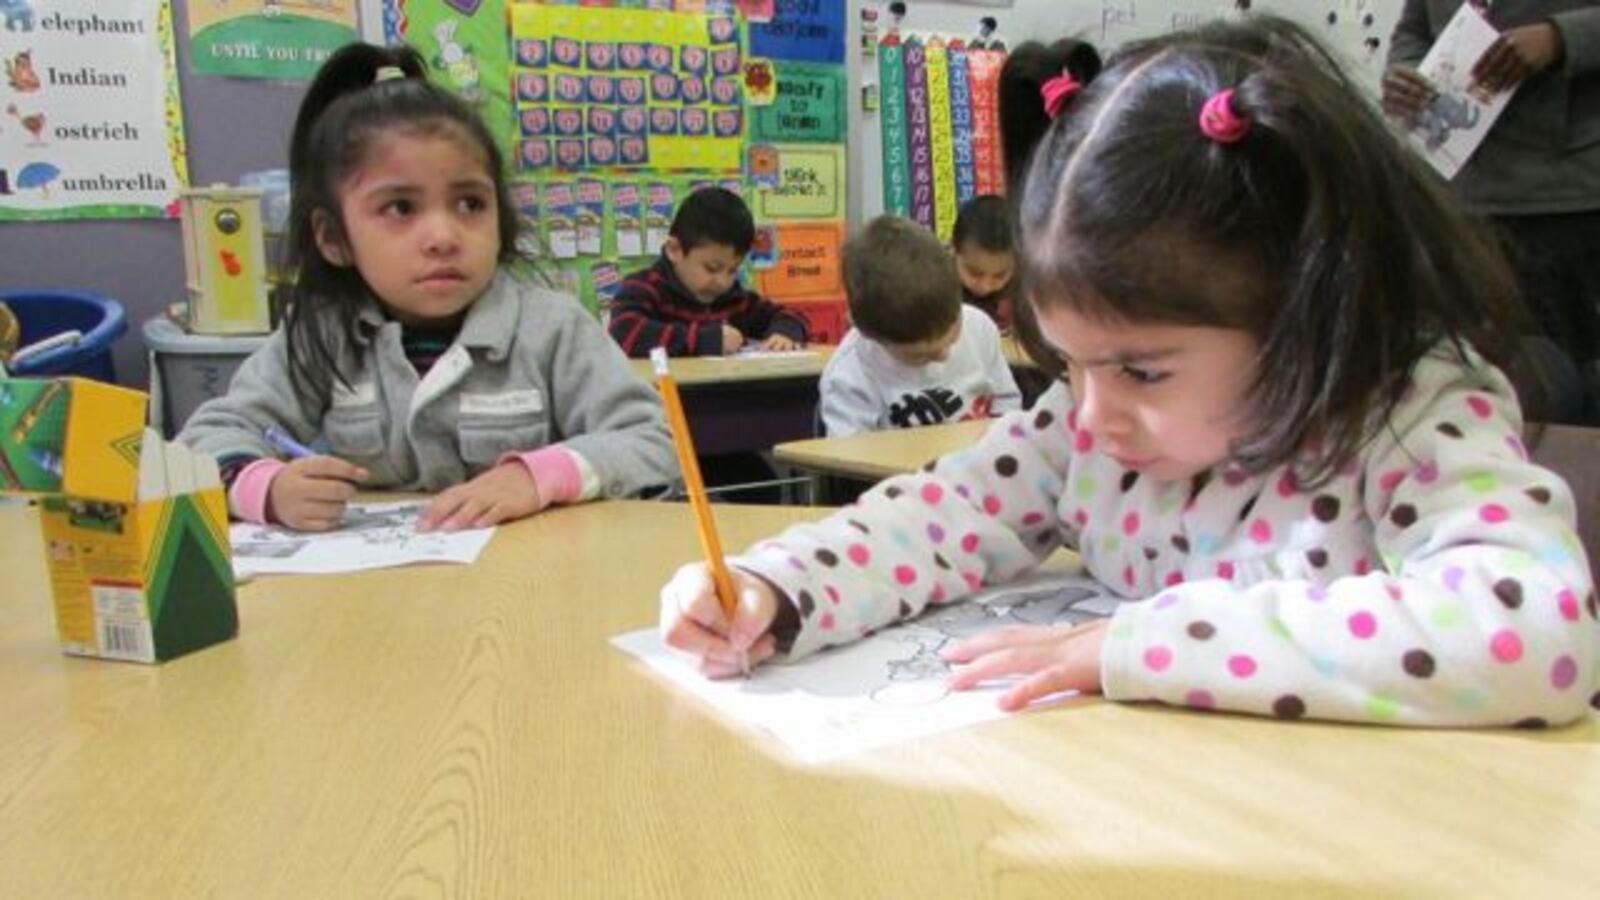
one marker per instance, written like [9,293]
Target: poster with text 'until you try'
[90,125]
[287,39]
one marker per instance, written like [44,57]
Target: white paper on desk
[373,536]
[888,687]
[766,354]
[1450,129]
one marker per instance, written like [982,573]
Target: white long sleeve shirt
[865,389]
[1437,580]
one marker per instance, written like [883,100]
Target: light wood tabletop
[706,370]
[468,732]
[872,455]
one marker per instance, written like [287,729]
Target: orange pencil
[710,544]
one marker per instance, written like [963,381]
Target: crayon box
[135,528]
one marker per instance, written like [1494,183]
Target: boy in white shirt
[916,354]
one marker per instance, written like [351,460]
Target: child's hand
[503,493]
[1405,92]
[1054,659]
[692,621]
[732,338]
[1516,55]
[780,342]
[310,493]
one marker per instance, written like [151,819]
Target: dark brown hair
[1023,119]
[901,282]
[1318,233]
[344,112]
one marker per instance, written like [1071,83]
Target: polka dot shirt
[1437,580]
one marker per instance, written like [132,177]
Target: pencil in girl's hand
[710,544]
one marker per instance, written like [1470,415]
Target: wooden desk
[875,455]
[468,732]
[736,404]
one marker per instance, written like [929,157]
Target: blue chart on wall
[806,30]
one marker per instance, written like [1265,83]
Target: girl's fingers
[330,467]
[468,512]
[442,507]
[1041,684]
[999,639]
[727,666]
[1000,664]
[494,515]
[328,490]
[692,595]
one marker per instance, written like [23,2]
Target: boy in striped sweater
[690,301]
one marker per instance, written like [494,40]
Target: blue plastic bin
[44,312]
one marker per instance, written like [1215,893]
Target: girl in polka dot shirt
[1281,433]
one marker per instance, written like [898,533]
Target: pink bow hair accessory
[1219,122]
[1057,91]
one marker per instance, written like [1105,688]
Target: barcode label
[122,623]
[125,640]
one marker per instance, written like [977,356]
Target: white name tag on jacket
[509,403]
[362,393]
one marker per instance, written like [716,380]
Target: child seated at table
[916,354]
[985,257]
[690,300]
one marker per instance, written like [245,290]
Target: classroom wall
[233,126]
[1105,23]
[237,125]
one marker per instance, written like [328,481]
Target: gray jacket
[530,368]
[1543,153]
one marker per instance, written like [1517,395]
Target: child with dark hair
[690,300]
[1034,83]
[916,355]
[1282,435]
[412,353]
[986,258]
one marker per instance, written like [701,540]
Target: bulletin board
[611,113]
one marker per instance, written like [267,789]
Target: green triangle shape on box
[190,585]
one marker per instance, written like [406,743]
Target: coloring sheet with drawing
[373,536]
[885,688]
[1451,127]
[754,351]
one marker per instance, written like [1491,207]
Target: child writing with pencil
[986,257]
[690,302]
[915,355]
[1281,435]
[411,350]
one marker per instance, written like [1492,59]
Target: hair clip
[1057,91]
[386,73]
[1219,121]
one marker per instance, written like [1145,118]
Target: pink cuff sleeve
[555,473]
[247,499]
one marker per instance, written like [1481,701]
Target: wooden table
[736,404]
[874,455]
[468,732]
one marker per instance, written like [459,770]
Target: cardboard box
[135,528]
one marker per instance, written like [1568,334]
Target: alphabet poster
[90,123]
[286,39]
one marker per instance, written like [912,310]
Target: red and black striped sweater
[653,309]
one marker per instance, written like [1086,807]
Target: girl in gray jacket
[412,356]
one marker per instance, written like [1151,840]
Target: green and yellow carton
[135,528]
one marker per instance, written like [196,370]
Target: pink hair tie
[1057,91]
[1219,122]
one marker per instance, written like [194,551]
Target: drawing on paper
[1449,129]
[889,686]
[371,536]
